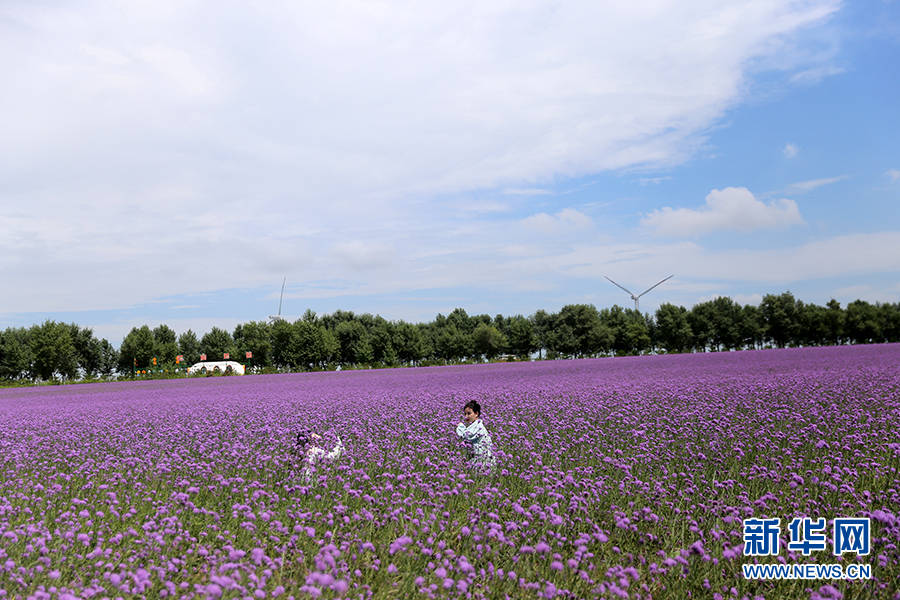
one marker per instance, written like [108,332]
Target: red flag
[249,355]
[179,358]
[202,357]
[226,356]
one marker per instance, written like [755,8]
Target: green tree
[812,324]
[53,351]
[311,345]
[701,319]
[137,349]
[15,353]
[487,341]
[616,320]
[353,343]
[862,324]
[726,319]
[216,343]
[673,333]
[637,332]
[254,337]
[409,342]
[87,349]
[751,327]
[543,325]
[166,346]
[889,321]
[779,315]
[109,358]
[561,340]
[189,347]
[590,334]
[461,320]
[453,344]
[835,322]
[281,332]
[453,335]
[381,340]
[521,337]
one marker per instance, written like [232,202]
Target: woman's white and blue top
[479,444]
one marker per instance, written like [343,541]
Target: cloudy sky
[172,162]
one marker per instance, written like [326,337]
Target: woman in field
[476,437]
[313,455]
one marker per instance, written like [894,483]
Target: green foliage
[137,350]
[15,354]
[353,343]
[53,351]
[521,336]
[381,340]
[165,345]
[779,315]
[487,341]
[189,347]
[216,343]
[63,352]
[310,346]
[410,343]
[862,323]
[254,337]
[453,344]
[673,333]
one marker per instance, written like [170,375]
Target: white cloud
[567,220]
[837,256]
[527,192]
[745,299]
[886,293]
[807,186]
[272,137]
[484,207]
[653,180]
[360,255]
[893,174]
[790,150]
[730,209]
[816,74]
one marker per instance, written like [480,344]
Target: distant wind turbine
[630,293]
[274,318]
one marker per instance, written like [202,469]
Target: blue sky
[171,162]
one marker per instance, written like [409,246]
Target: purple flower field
[615,478]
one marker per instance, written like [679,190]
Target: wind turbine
[274,318]
[630,293]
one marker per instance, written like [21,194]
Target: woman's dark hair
[476,408]
[303,438]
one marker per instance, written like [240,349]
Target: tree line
[65,351]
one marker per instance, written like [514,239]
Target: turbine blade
[654,285]
[630,293]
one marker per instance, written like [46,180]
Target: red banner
[179,358]
[248,355]
[202,357]
[226,356]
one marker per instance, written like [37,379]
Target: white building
[219,365]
